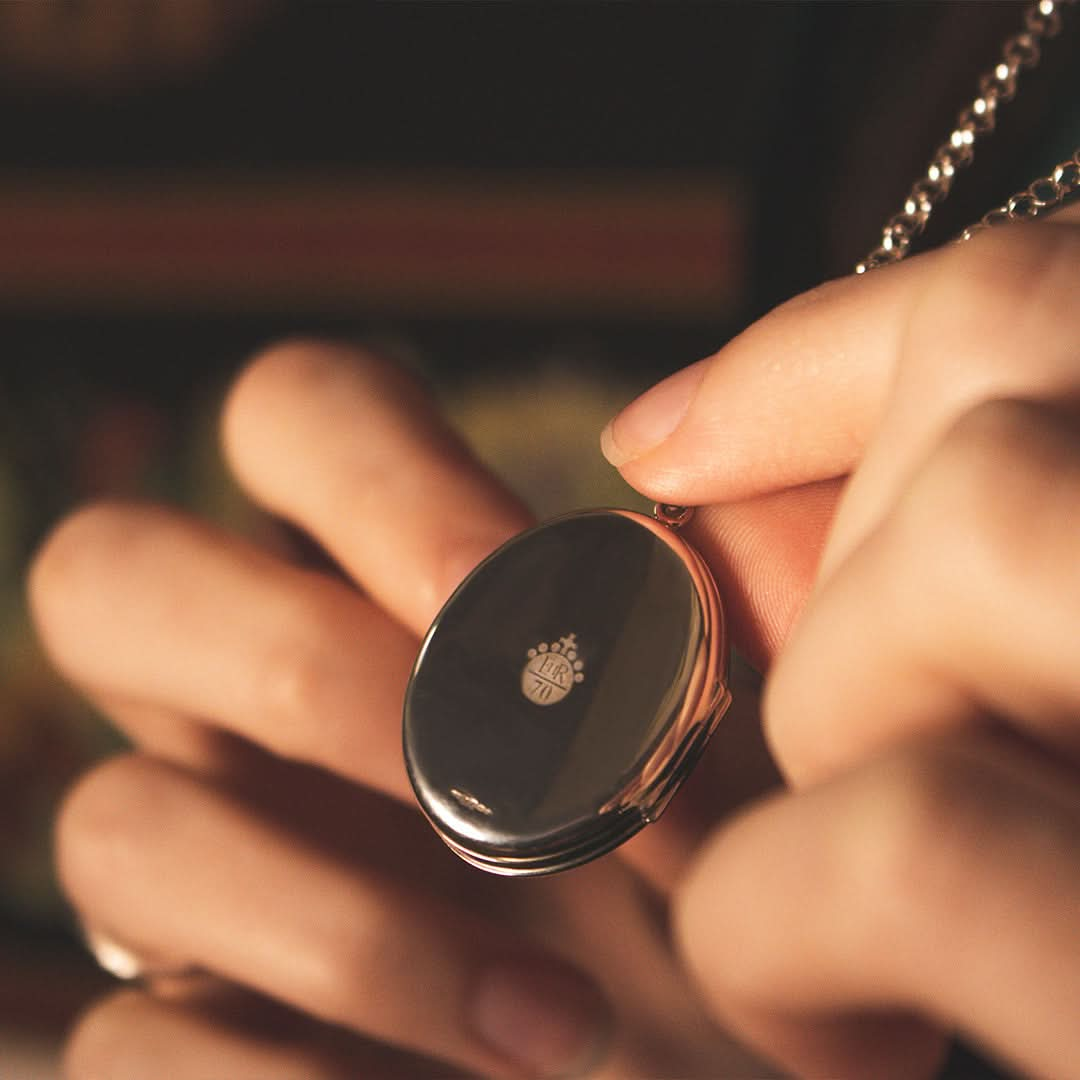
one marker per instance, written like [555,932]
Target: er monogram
[551,671]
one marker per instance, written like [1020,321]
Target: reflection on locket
[565,691]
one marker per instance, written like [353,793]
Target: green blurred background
[528,202]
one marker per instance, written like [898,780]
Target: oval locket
[565,691]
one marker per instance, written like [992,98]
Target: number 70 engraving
[551,671]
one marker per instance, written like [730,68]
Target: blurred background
[528,202]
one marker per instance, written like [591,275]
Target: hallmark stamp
[470,801]
[551,671]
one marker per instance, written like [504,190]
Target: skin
[263,829]
[889,475]
[924,695]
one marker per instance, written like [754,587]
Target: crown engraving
[552,670]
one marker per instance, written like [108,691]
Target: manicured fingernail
[651,418]
[546,1018]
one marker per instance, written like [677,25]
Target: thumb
[791,400]
[760,436]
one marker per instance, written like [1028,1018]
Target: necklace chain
[1042,20]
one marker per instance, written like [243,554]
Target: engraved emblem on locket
[551,671]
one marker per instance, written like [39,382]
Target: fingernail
[546,1018]
[651,418]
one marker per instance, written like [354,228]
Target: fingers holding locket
[823,923]
[973,575]
[192,873]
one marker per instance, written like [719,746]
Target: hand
[891,466]
[263,832]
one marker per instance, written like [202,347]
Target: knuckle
[921,822]
[312,675]
[1012,267]
[1003,286]
[294,670]
[982,493]
[352,953]
[291,682]
[309,695]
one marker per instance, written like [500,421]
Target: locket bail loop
[673,516]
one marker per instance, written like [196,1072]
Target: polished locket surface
[564,692]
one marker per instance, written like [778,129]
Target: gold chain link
[1042,20]
[1039,197]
